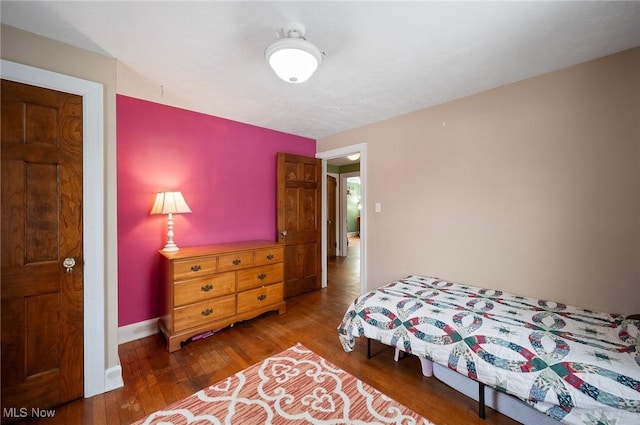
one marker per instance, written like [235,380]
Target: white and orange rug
[294,387]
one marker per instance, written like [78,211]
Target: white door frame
[360,148]
[93,227]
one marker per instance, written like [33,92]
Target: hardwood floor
[154,378]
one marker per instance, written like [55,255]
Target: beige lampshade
[170,202]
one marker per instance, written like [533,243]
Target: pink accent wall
[226,171]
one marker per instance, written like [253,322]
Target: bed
[574,365]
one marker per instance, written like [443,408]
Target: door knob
[283,234]
[69,263]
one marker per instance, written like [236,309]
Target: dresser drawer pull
[270,257]
[236,262]
[195,268]
[206,288]
[262,276]
[207,312]
[262,297]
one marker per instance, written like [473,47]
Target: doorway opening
[350,210]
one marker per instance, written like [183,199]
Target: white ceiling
[382,59]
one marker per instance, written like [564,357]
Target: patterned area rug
[294,387]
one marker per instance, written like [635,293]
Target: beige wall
[532,188]
[29,49]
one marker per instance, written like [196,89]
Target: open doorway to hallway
[343,224]
[347,166]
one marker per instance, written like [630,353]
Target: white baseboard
[113,375]
[113,378]
[137,330]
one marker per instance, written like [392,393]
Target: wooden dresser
[206,288]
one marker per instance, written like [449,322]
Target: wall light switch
[378,206]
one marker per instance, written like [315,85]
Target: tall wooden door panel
[299,215]
[41,223]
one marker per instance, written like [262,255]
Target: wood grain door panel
[299,216]
[41,224]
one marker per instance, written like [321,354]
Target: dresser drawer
[206,311]
[254,299]
[259,276]
[195,290]
[188,269]
[239,260]
[269,256]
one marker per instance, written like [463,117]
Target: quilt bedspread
[578,366]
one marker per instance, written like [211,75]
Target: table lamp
[170,203]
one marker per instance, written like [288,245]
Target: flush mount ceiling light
[292,57]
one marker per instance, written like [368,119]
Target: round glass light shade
[293,59]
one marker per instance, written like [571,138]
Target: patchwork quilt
[578,366]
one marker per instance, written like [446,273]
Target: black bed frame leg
[481,411]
